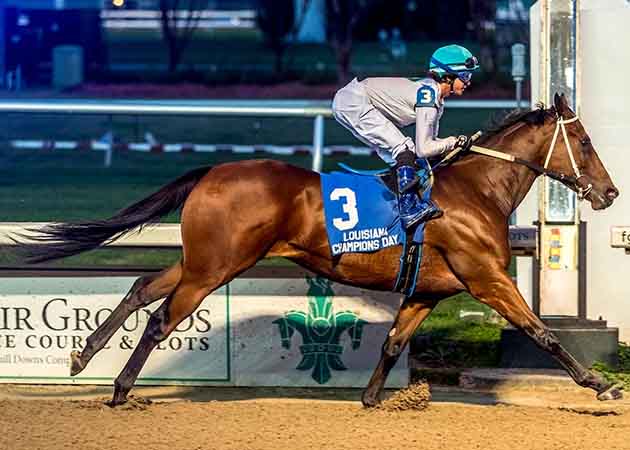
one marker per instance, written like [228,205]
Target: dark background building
[34,27]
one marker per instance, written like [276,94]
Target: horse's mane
[505,121]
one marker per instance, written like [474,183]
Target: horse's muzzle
[603,200]
[612,194]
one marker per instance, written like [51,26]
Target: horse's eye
[586,142]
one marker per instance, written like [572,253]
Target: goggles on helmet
[471,63]
[465,75]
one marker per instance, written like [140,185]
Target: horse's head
[570,152]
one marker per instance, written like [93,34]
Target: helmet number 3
[349,207]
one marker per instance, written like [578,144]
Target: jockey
[375,108]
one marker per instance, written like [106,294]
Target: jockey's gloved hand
[464,142]
[406,158]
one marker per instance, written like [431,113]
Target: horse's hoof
[76,366]
[116,401]
[369,401]
[612,392]
[113,403]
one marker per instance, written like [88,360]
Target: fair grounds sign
[620,238]
[302,331]
[269,327]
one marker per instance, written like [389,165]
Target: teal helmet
[455,60]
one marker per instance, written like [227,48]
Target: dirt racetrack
[74,417]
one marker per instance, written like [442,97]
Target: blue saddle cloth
[362,214]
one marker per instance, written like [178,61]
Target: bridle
[560,125]
[570,181]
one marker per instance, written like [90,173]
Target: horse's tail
[59,240]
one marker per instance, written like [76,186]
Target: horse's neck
[503,183]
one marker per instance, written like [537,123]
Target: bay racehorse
[235,214]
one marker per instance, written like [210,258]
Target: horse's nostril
[612,193]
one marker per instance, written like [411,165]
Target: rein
[568,180]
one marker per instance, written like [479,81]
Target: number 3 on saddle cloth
[361,211]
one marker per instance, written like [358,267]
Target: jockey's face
[459,86]
[453,86]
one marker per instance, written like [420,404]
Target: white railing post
[110,144]
[318,143]
[107,163]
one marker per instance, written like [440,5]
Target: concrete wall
[605,112]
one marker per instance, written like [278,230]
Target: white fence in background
[168,235]
[317,110]
[150,19]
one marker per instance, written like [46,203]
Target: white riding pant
[352,109]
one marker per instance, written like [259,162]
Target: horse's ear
[560,102]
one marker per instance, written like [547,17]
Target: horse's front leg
[493,286]
[411,314]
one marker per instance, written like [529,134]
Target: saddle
[353,189]
[354,183]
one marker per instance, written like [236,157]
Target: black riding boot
[412,208]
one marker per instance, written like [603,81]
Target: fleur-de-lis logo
[321,331]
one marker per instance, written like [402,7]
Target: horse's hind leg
[177,306]
[144,291]
[411,314]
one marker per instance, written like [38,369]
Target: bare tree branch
[276,19]
[343,16]
[179,32]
